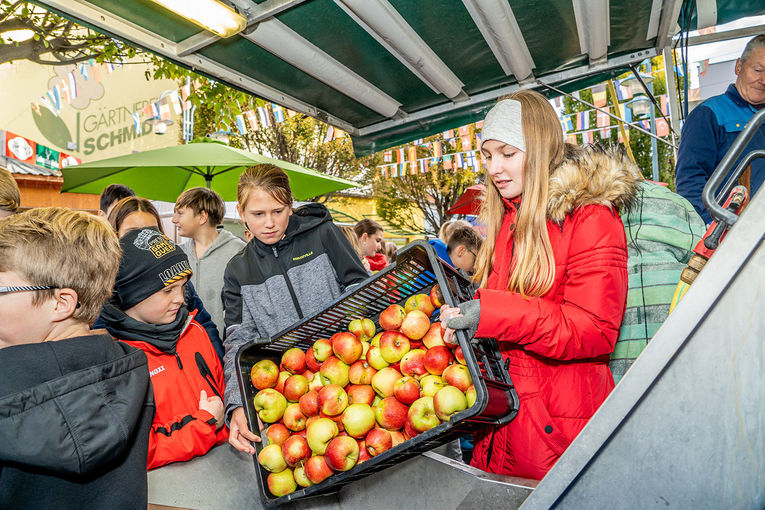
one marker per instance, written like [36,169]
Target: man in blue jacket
[711,128]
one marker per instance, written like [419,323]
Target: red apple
[422,415]
[437,359]
[471,396]
[282,483]
[436,296]
[375,358]
[311,362]
[293,360]
[361,372]
[295,387]
[384,381]
[449,401]
[322,349]
[409,432]
[392,317]
[363,453]
[391,414]
[346,347]
[295,449]
[460,356]
[393,346]
[361,394]
[309,403]
[458,376]
[407,390]
[283,376]
[358,419]
[415,325]
[363,329]
[342,453]
[334,371]
[319,434]
[316,383]
[434,336]
[332,400]
[420,302]
[397,436]
[272,459]
[317,470]
[277,433]
[293,418]
[270,405]
[378,441]
[430,384]
[300,477]
[413,363]
[264,374]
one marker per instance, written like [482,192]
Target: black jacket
[75,416]
[268,288]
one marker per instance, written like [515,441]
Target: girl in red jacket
[553,279]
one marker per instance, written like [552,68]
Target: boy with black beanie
[147,311]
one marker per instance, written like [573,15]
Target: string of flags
[67,88]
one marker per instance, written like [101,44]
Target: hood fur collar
[592,175]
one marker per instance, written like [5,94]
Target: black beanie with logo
[150,262]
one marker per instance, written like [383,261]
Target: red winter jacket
[557,346]
[181,430]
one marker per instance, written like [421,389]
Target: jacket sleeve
[697,157]
[348,266]
[240,329]
[586,323]
[204,318]
[182,438]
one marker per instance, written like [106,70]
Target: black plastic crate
[416,270]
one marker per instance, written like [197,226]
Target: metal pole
[674,108]
[654,148]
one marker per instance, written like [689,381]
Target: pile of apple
[357,394]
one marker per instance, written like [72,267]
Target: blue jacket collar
[732,92]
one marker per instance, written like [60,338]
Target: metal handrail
[712,202]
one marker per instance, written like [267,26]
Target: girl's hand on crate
[465,316]
[239,434]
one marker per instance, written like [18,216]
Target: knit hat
[503,123]
[150,262]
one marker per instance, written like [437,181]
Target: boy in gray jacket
[198,212]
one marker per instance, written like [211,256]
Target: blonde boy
[75,407]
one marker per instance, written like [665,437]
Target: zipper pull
[178,359]
[507,364]
[276,253]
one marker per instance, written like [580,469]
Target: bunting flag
[459,160]
[252,120]
[55,99]
[240,124]
[413,167]
[470,160]
[137,123]
[108,67]
[571,139]
[662,128]
[72,85]
[46,102]
[278,113]
[185,93]
[423,166]
[329,134]
[96,70]
[619,92]
[399,156]
[263,114]
[590,137]
[84,71]
[291,113]
[664,101]
[464,131]
[447,162]
[437,149]
[388,156]
[36,108]
[478,140]
[448,134]
[599,99]
[479,124]
[412,153]
[65,96]
[567,124]
[164,109]
[466,145]
[176,102]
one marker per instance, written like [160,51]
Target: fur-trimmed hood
[592,175]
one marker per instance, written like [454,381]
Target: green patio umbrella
[162,174]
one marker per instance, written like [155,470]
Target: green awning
[391,71]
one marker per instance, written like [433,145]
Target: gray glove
[468,321]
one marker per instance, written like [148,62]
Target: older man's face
[751,77]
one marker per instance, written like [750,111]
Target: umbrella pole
[208,181]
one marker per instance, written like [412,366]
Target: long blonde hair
[532,270]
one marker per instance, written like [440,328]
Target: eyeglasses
[25,288]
